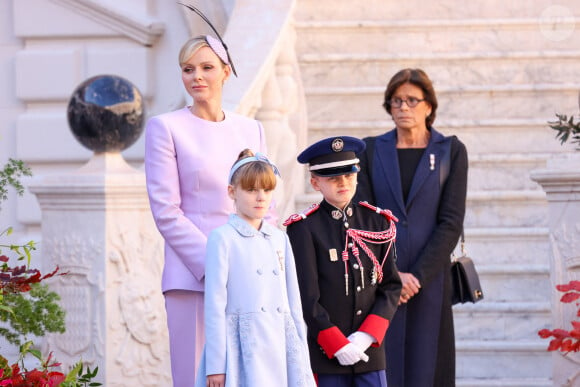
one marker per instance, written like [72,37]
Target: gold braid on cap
[212,43]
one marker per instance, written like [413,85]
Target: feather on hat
[217,45]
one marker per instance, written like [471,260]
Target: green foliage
[567,129]
[17,375]
[10,176]
[38,312]
[22,251]
[28,307]
[76,377]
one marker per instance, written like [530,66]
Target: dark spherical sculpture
[106,113]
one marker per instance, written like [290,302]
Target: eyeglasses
[411,102]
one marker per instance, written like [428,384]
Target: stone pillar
[561,182]
[97,227]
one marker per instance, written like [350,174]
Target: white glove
[361,339]
[350,354]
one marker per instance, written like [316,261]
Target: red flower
[563,340]
[570,286]
[570,297]
[55,378]
[555,345]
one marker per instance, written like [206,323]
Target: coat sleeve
[216,296]
[327,334]
[162,178]
[450,217]
[293,291]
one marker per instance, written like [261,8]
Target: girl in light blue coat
[255,332]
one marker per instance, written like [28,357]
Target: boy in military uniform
[345,262]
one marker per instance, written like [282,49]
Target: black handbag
[465,286]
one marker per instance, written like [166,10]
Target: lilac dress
[187,162]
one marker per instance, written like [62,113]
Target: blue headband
[258,157]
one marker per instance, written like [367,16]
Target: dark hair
[256,174]
[418,78]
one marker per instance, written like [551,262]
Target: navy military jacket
[318,241]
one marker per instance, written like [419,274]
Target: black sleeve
[315,315]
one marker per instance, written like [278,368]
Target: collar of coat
[246,230]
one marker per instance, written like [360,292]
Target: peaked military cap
[333,156]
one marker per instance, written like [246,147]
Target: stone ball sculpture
[106,113]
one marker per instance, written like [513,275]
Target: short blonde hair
[191,46]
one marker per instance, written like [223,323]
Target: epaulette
[296,217]
[386,213]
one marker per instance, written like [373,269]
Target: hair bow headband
[217,45]
[258,157]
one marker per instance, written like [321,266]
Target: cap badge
[337,145]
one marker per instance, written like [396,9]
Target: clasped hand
[411,287]
[354,351]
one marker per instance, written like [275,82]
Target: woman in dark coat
[421,176]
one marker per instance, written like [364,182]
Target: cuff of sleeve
[376,326]
[331,340]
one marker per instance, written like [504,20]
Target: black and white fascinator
[217,45]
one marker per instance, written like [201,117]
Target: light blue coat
[255,332]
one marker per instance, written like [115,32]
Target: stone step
[495,359]
[324,10]
[514,283]
[454,69]
[511,171]
[506,136]
[488,320]
[441,35]
[336,104]
[504,382]
[480,136]
[522,246]
[524,208]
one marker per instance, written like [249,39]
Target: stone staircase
[501,70]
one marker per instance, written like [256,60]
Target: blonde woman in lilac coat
[188,155]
